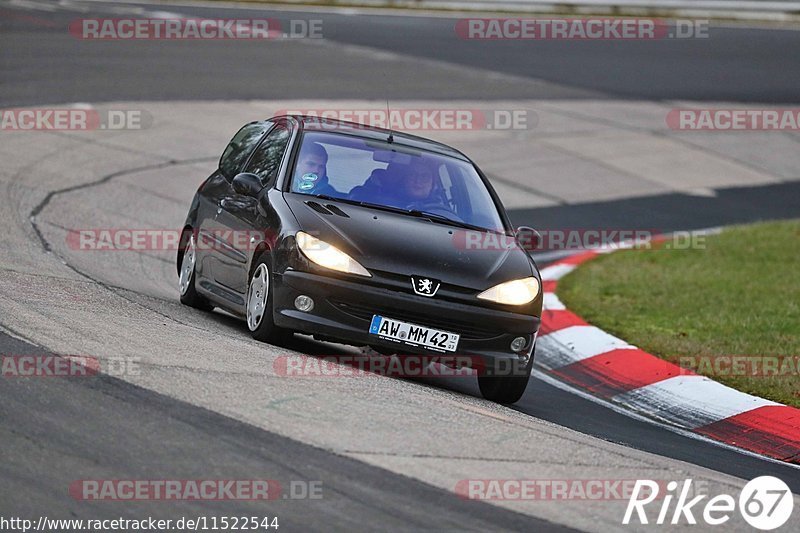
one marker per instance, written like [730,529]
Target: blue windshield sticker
[309,177]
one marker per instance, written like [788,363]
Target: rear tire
[186,278]
[509,386]
[260,320]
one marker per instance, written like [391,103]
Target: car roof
[316,123]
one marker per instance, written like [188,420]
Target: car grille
[465,329]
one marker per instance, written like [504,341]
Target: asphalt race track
[734,64]
[204,401]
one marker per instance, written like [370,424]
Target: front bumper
[343,310]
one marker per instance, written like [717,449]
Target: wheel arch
[262,248]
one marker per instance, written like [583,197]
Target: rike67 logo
[765,503]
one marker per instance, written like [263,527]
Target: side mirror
[529,238]
[247,184]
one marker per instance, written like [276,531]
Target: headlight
[328,256]
[515,292]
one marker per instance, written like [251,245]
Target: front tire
[186,278]
[260,320]
[507,387]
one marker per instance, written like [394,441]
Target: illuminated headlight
[328,256]
[515,292]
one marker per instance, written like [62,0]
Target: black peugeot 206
[366,237]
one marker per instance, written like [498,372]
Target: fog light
[518,344]
[304,303]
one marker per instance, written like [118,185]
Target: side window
[266,160]
[239,148]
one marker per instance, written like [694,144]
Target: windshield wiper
[362,204]
[435,217]
[334,198]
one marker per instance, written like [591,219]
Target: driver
[311,176]
[419,185]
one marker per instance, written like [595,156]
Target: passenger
[311,176]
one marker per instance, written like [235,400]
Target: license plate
[413,334]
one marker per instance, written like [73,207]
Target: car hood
[406,245]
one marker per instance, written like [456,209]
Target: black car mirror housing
[247,184]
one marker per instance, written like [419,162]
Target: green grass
[739,295]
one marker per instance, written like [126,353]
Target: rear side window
[266,160]
[239,148]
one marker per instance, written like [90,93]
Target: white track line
[690,401]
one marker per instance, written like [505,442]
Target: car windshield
[388,175]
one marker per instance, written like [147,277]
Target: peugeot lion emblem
[424,286]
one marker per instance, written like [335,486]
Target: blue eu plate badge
[375,325]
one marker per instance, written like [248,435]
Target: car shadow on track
[353,357]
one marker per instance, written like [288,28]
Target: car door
[214,252]
[242,217]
